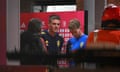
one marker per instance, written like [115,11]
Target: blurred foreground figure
[31,44]
[109,34]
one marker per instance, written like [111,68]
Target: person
[32,44]
[109,34]
[78,41]
[53,41]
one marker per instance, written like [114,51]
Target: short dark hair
[105,24]
[74,24]
[52,17]
[35,25]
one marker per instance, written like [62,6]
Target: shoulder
[59,35]
[72,39]
[91,35]
[23,33]
[26,33]
[116,32]
[85,36]
[44,32]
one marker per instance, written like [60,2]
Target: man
[77,42]
[31,44]
[53,41]
[108,37]
[109,34]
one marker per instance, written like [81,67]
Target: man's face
[54,25]
[75,32]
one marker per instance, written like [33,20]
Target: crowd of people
[48,43]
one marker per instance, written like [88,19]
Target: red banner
[65,18]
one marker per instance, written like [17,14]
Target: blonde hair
[74,24]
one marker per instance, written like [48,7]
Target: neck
[81,33]
[51,33]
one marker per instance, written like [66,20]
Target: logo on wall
[23,25]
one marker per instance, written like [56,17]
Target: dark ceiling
[55,2]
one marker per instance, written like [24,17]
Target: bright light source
[59,8]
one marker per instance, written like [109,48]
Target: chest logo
[58,43]
[46,42]
[81,44]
